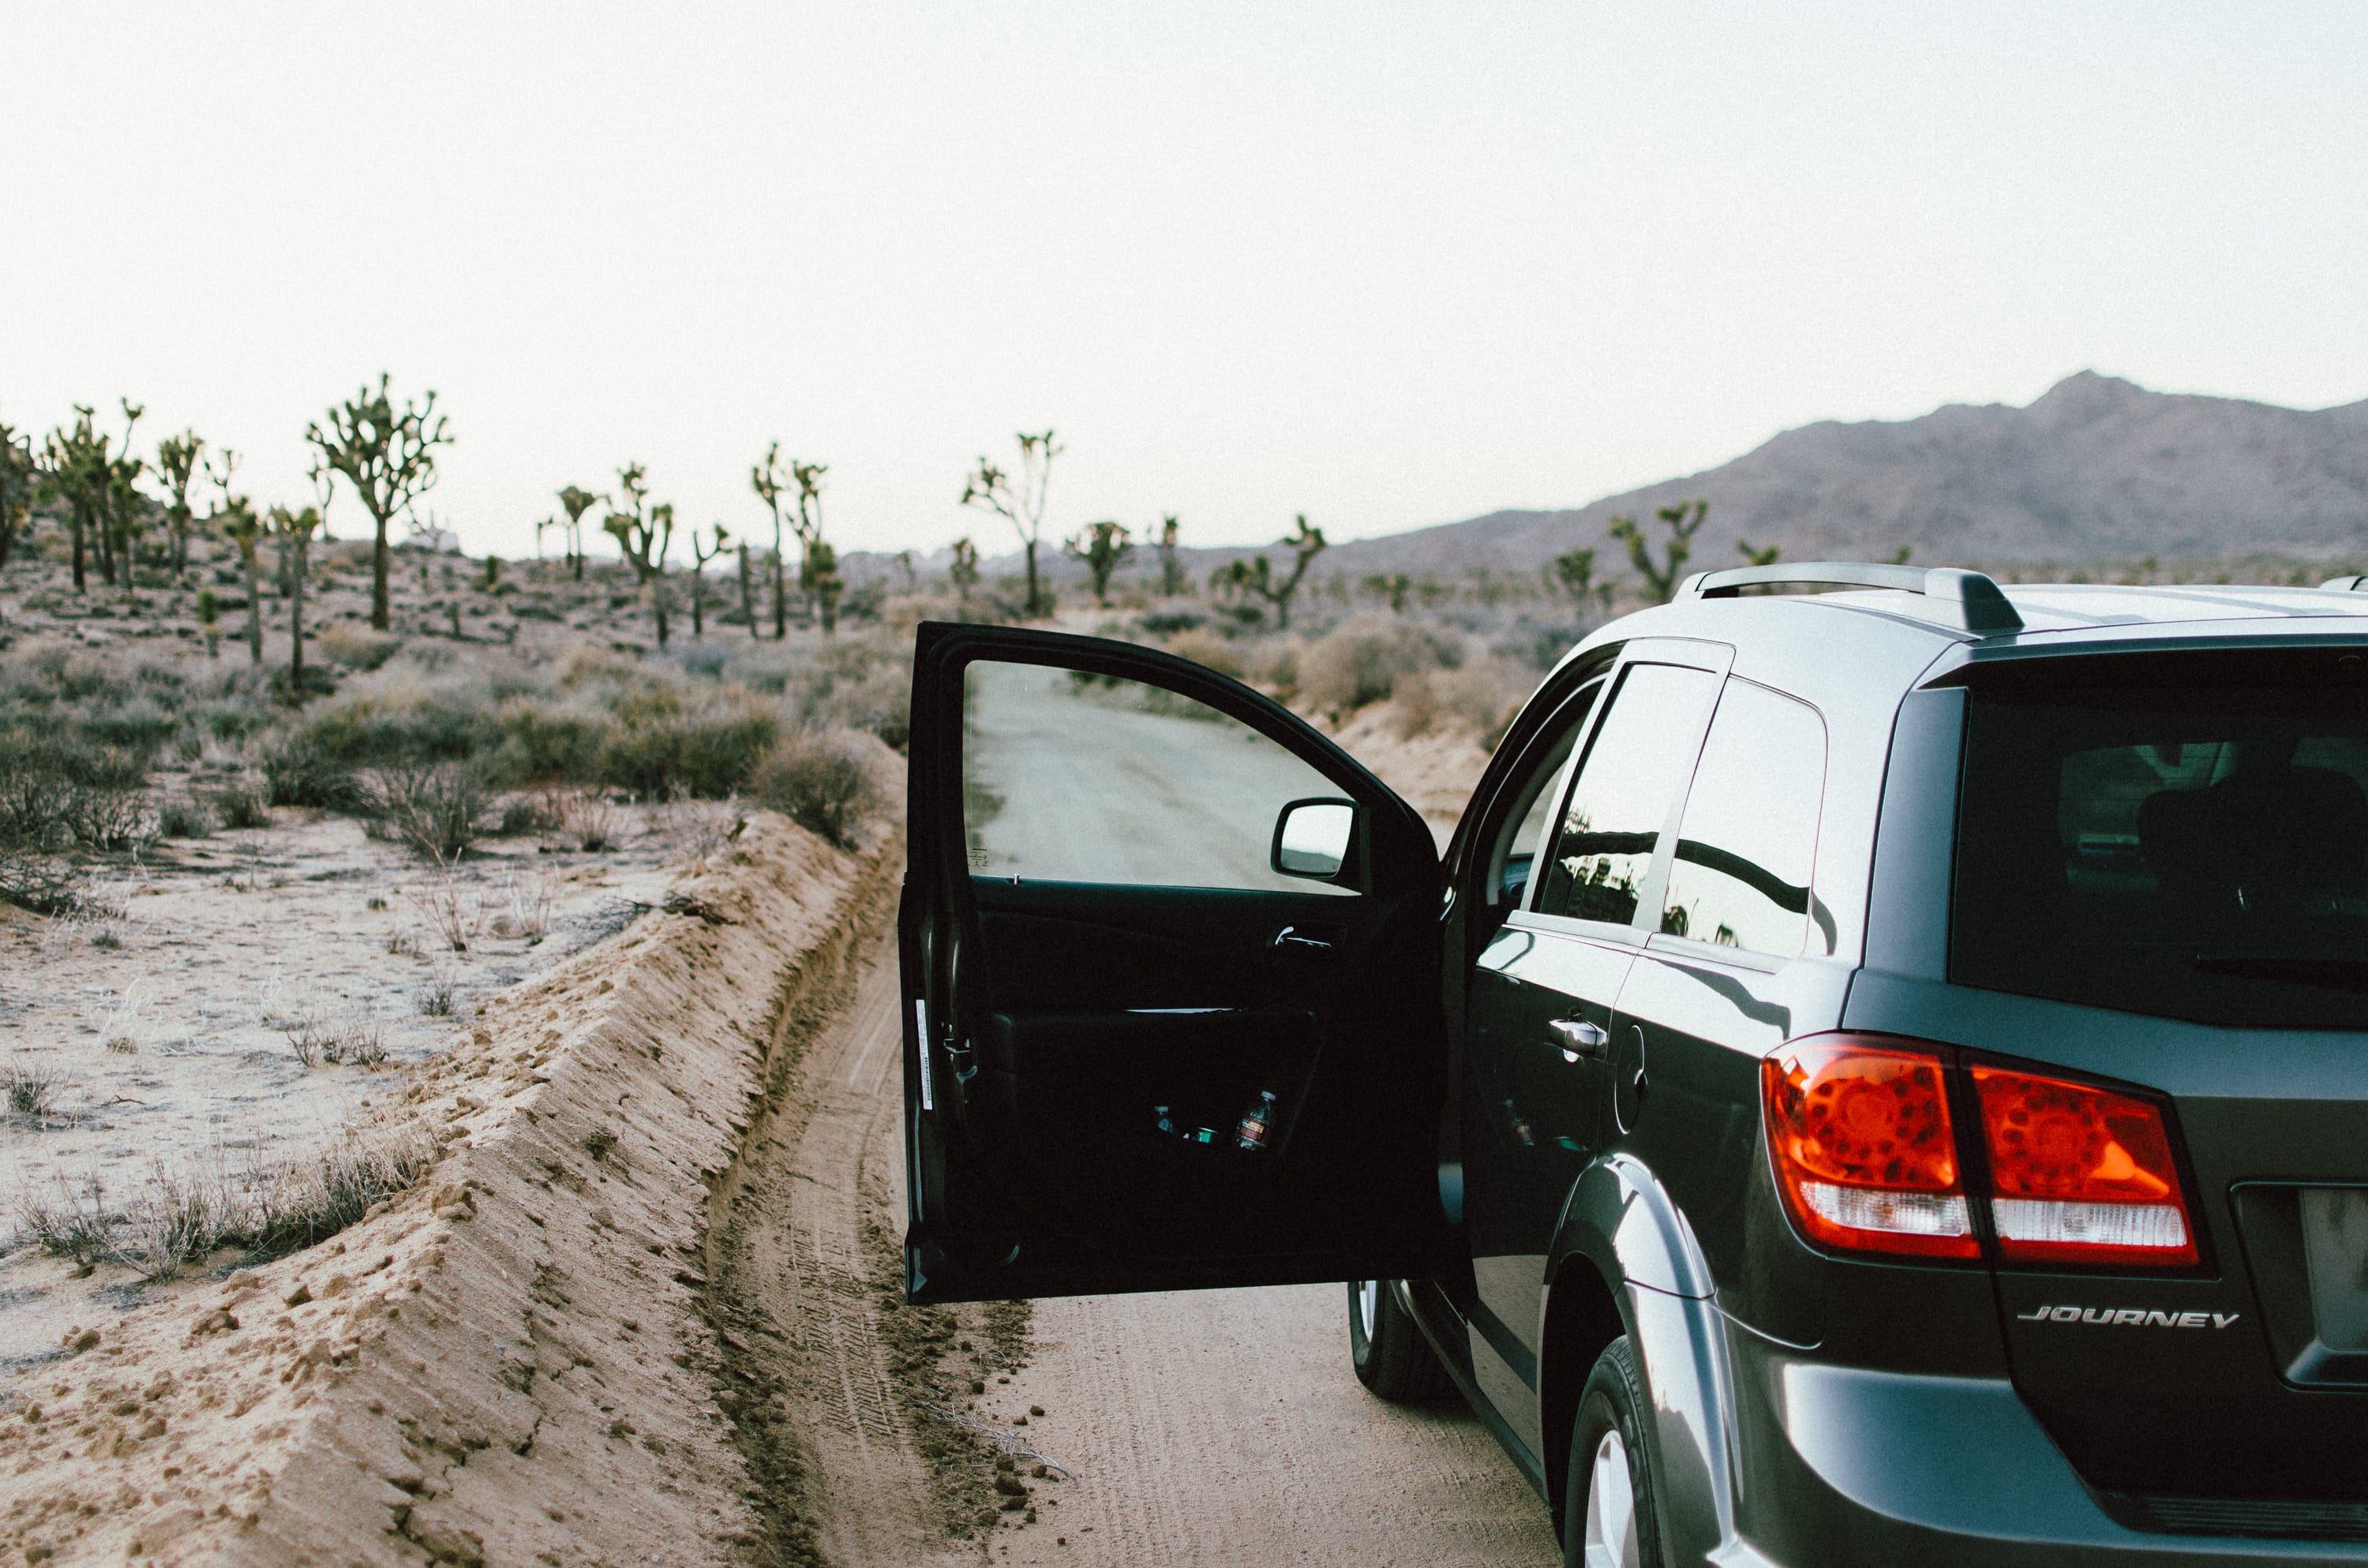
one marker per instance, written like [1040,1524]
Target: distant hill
[2097,469]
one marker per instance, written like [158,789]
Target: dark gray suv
[1877,1076]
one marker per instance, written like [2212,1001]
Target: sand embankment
[509,1363]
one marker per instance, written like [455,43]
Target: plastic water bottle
[1256,1122]
[1166,1122]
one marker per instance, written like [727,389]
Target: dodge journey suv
[1878,1075]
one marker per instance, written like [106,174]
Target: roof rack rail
[2346,585]
[1970,599]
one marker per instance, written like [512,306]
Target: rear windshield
[2196,852]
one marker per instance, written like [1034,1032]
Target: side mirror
[1311,839]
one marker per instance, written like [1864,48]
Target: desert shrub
[34,881]
[182,816]
[246,802]
[1480,696]
[819,780]
[1204,646]
[659,749]
[434,809]
[1361,660]
[525,814]
[374,730]
[854,683]
[299,771]
[550,741]
[53,784]
[353,647]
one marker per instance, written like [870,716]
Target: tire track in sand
[1220,1427]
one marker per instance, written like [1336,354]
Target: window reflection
[1634,768]
[1740,874]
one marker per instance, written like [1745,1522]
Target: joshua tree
[748,595]
[1751,557]
[120,514]
[644,533]
[18,470]
[819,580]
[77,468]
[1172,580]
[963,571]
[1257,574]
[234,519]
[388,455]
[210,619]
[176,465]
[1104,548]
[577,502]
[1683,521]
[1574,572]
[766,479]
[904,559]
[1020,501]
[296,530]
[1391,586]
[699,556]
[818,576]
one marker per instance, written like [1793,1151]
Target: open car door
[1171,980]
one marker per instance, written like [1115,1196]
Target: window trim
[1717,659]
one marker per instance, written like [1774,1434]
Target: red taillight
[1863,1151]
[2080,1175]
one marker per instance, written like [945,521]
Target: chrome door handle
[1579,1037]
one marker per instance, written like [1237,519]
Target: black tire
[1613,1400]
[1387,1346]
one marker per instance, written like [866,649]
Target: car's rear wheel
[1390,1356]
[1609,1517]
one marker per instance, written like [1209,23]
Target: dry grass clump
[590,820]
[454,914]
[820,779]
[183,1216]
[359,1041]
[28,1090]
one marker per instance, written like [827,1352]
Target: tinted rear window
[2195,852]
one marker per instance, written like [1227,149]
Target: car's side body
[1589,1089]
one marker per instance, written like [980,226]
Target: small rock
[87,1339]
[1020,1421]
[153,1427]
[1035,1410]
[298,1297]
[337,1286]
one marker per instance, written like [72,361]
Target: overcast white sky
[1388,264]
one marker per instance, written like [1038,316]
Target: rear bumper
[1840,1466]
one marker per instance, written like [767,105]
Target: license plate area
[2307,1249]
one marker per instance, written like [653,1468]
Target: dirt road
[1216,1426]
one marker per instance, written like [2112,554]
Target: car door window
[1635,764]
[1071,776]
[1739,876]
[1520,821]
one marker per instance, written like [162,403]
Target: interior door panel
[1093,1048]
